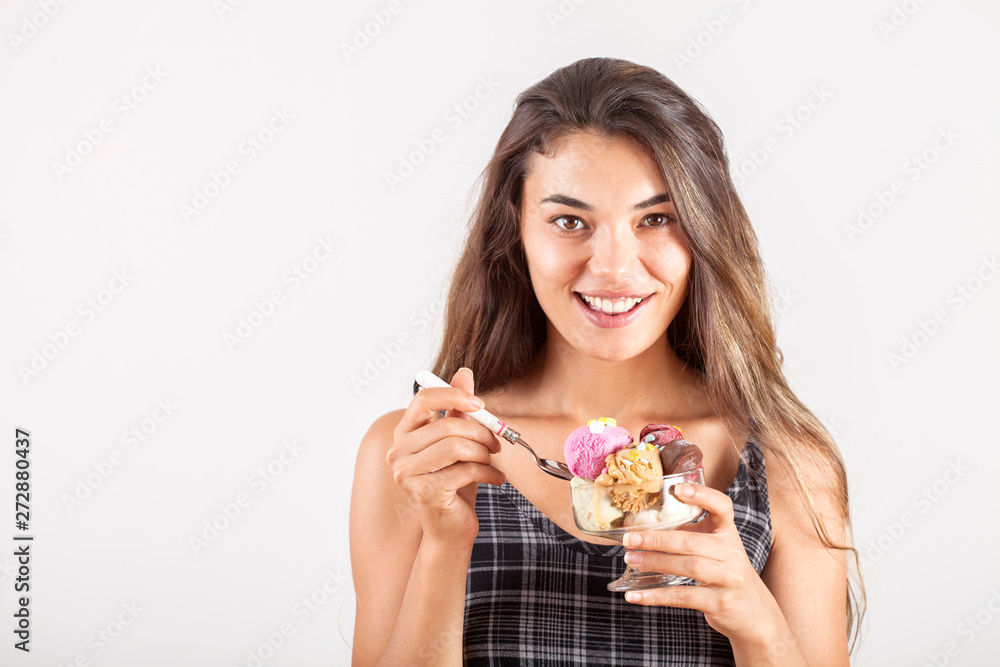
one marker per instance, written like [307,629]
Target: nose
[614,255]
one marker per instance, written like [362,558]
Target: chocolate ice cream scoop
[677,454]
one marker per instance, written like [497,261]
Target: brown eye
[659,220]
[568,223]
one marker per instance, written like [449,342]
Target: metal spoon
[555,468]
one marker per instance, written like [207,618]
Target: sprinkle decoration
[598,425]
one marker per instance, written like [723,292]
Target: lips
[610,311]
[609,305]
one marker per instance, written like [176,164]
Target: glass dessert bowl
[610,510]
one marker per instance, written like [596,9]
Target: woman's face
[605,253]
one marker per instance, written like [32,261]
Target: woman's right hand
[438,463]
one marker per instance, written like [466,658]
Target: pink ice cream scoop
[588,446]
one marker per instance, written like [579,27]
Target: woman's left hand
[729,591]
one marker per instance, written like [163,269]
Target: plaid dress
[537,595]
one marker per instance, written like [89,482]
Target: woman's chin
[609,345]
[611,354]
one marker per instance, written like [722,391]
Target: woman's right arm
[413,524]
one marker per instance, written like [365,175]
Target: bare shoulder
[379,435]
[374,492]
[380,513]
[821,478]
[805,574]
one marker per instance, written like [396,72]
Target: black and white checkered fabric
[537,595]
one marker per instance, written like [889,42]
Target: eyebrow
[566,200]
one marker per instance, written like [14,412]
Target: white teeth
[611,306]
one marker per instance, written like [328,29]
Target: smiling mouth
[608,306]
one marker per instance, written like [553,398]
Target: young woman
[610,271]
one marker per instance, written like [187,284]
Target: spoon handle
[427,379]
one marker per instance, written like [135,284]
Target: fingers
[681,542]
[705,571]
[429,401]
[440,429]
[443,456]
[686,597]
[462,379]
[436,446]
[436,489]
[432,458]
[717,503]
[444,453]
[710,552]
[456,476]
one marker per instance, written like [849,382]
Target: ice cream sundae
[621,483]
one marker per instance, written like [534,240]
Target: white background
[847,301]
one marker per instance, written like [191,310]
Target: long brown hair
[494,324]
